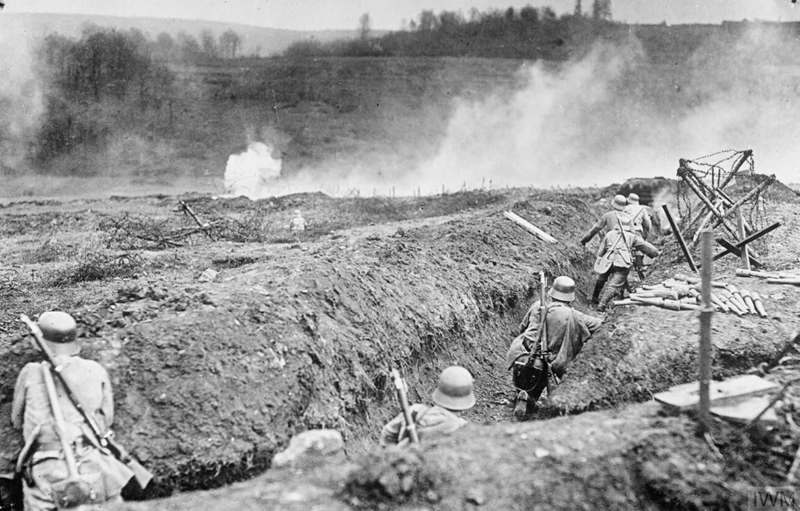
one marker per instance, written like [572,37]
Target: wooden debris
[681,242]
[686,396]
[792,282]
[747,410]
[741,272]
[529,227]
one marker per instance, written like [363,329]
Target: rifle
[636,267]
[411,427]
[544,351]
[105,439]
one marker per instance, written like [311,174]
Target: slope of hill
[258,41]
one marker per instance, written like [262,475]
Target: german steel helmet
[58,327]
[563,288]
[619,202]
[633,198]
[455,389]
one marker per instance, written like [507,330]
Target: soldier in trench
[567,331]
[43,460]
[619,247]
[452,396]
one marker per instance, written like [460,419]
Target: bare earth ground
[213,373]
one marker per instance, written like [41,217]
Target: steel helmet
[633,198]
[619,202]
[563,289]
[59,330]
[455,389]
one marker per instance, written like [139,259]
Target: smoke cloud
[610,116]
[21,96]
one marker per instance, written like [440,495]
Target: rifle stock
[106,440]
[411,426]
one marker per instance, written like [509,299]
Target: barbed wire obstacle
[712,206]
[137,231]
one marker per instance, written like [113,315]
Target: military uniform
[567,331]
[32,413]
[453,394]
[429,420]
[642,223]
[616,278]
[609,220]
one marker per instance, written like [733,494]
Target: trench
[437,295]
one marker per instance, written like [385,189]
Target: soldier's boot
[521,406]
[609,293]
[598,287]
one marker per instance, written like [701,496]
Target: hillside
[258,41]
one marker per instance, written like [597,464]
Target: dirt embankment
[212,377]
[214,373]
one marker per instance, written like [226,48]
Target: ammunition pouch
[530,376]
[87,489]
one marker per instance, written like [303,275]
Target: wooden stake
[704,412]
[742,236]
[681,243]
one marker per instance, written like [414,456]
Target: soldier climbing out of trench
[452,395]
[642,224]
[617,250]
[566,331]
[609,219]
[607,223]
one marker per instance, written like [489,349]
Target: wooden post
[750,194]
[704,412]
[708,204]
[740,228]
[681,243]
[745,155]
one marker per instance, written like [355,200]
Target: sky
[390,14]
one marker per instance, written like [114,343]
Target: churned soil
[220,351]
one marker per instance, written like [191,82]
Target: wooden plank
[687,396]
[529,226]
[747,410]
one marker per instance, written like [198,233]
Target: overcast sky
[389,14]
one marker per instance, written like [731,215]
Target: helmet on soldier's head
[633,198]
[59,330]
[619,202]
[455,389]
[297,212]
[563,289]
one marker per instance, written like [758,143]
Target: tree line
[528,32]
[108,78]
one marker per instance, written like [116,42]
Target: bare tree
[229,41]
[601,10]
[364,26]
[208,43]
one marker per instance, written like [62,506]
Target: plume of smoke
[21,96]
[253,173]
[612,115]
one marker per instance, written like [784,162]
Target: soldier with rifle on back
[551,336]
[64,407]
[642,225]
[418,421]
[615,258]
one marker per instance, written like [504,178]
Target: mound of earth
[219,351]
